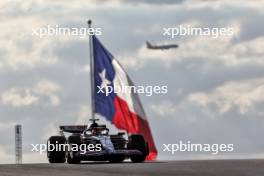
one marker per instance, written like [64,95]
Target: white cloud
[130,61]
[19,98]
[216,4]
[83,115]
[54,100]
[209,50]
[183,112]
[243,95]
[46,87]
[164,109]
[40,5]
[20,50]
[18,55]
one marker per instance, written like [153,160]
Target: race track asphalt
[162,168]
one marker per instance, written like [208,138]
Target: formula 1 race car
[95,144]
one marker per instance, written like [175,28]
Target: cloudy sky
[215,85]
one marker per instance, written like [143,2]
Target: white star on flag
[105,81]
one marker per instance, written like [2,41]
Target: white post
[89,22]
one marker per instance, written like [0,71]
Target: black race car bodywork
[96,144]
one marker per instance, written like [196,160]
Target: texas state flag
[122,108]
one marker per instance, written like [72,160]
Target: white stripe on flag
[121,80]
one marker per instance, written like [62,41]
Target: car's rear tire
[137,142]
[56,156]
[71,155]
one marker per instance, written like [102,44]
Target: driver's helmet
[95,131]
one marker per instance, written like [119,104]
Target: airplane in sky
[160,47]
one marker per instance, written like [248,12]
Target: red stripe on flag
[132,123]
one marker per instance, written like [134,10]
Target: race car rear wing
[73,128]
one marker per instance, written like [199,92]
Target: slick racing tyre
[137,142]
[53,155]
[71,155]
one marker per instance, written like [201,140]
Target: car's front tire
[56,156]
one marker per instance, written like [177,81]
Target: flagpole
[89,22]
